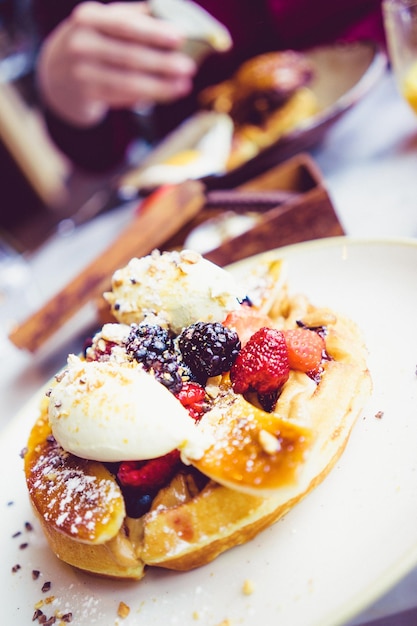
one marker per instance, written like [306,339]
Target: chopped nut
[269,443]
[212,387]
[37,614]
[60,376]
[248,587]
[123,610]
[190,256]
[49,599]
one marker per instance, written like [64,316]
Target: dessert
[191,424]
[269,95]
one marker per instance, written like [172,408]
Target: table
[369,162]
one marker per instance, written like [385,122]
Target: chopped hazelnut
[123,610]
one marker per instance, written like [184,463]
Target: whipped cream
[174,290]
[109,411]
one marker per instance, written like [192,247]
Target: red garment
[256,26]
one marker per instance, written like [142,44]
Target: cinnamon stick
[163,215]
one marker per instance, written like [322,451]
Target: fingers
[136,57]
[115,56]
[121,88]
[122,74]
[129,21]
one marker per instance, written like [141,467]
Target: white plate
[344,74]
[338,550]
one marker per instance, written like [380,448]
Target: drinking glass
[400,21]
[18,294]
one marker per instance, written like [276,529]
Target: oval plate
[336,551]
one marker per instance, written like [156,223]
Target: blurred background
[38,186]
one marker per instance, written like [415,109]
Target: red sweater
[256,26]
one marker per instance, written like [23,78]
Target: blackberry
[153,346]
[269,400]
[209,349]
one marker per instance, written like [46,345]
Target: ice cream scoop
[108,411]
[174,290]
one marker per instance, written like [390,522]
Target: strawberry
[305,349]
[246,321]
[151,475]
[262,364]
[192,397]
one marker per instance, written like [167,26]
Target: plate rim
[330,242]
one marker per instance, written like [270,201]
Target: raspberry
[262,365]
[209,349]
[246,321]
[192,396]
[152,346]
[305,349]
[148,476]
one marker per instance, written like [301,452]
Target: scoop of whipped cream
[174,290]
[108,411]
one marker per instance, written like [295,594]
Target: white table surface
[369,162]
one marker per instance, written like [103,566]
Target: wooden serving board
[303,211]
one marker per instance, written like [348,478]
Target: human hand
[113,55]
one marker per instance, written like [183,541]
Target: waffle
[215,502]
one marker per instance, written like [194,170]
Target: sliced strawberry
[262,365]
[246,321]
[305,349]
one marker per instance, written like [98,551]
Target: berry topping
[140,481]
[192,396]
[137,504]
[262,364]
[209,349]
[152,346]
[305,349]
[269,400]
[150,475]
[246,321]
